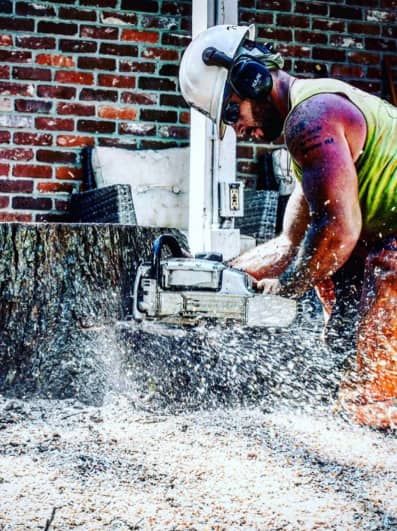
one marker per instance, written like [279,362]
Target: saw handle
[164,240]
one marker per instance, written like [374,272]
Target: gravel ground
[65,465]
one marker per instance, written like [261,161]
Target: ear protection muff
[248,77]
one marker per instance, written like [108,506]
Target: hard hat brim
[223,80]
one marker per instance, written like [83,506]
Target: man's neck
[282,83]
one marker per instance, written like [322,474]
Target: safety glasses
[231,113]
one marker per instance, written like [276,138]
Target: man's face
[258,121]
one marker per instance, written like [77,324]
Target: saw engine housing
[185,290]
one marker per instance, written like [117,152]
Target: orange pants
[363,299]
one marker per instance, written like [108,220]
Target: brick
[76,109]
[32,170]
[6,40]
[5,6]
[75,141]
[33,106]
[16,121]
[99,32]
[385,45]
[162,84]
[139,99]
[16,154]
[75,46]
[54,124]
[326,24]
[71,13]
[364,28]
[96,63]
[184,117]
[154,115]
[81,78]
[311,37]
[150,21]
[32,139]
[57,157]
[161,54]
[57,28]
[169,70]
[389,32]
[93,126]
[137,129]
[10,217]
[52,187]
[98,95]
[4,169]
[36,43]
[364,58]
[64,61]
[31,203]
[140,36]
[111,80]
[351,13]
[134,66]
[27,9]
[69,173]
[149,6]
[279,5]
[4,201]
[117,142]
[112,17]
[36,74]
[181,40]
[5,137]
[294,51]
[7,56]
[346,41]
[53,217]
[16,24]
[252,17]
[311,8]
[174,131]
[62,93]
[175,8]
[4,72]
[292,21]
[100,3]
[347,71]
[329,54]
[6,104]
[117,113]
[14,186]
[118,49]
[275,34]
[172,100]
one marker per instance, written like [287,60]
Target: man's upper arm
[324,135]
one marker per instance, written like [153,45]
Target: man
[340,226]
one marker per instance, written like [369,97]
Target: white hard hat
[202,86]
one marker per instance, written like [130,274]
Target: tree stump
[59,285]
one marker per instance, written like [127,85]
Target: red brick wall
[86,72]
[83,72]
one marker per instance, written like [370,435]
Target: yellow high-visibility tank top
[377,164]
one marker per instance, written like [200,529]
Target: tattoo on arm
[306,139]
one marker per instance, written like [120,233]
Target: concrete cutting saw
[181,290]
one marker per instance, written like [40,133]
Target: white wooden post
[211,161]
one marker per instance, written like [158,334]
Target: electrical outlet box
[231,199]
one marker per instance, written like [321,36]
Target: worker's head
[227,76]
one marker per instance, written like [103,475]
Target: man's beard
[269,120]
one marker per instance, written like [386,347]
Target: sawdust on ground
[65,466]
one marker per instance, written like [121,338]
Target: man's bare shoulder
[320,120]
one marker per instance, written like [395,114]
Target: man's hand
[269,286]
[266,260]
